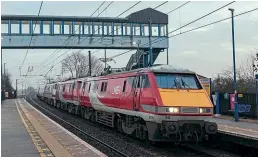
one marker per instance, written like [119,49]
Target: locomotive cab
[183,109]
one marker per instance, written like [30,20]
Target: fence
[226,104]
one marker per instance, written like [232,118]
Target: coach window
[89,87]
[80,84]
[73,85]
[105,87]
[83,86]
[102,86]
[64,88]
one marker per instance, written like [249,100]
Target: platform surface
[243,129]
[16,141]
[60,141]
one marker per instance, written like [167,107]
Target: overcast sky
[206,51]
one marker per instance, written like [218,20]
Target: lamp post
[234,65]
[4,69]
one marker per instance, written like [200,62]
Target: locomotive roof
[158,69]
[169,69]
[155,68]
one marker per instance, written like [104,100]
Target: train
[156,104]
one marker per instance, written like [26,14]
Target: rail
[81,131]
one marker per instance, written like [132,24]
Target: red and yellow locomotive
[158,103]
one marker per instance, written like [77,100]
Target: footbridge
[145,31]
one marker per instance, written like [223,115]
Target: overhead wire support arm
[48,71]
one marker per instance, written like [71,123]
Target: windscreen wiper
[184,83]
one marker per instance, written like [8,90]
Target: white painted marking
[68,132]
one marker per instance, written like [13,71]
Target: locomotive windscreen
[177,81]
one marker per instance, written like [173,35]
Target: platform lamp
[234,65]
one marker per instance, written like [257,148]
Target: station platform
[245,131]
[26,132]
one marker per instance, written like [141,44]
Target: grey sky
[206,51]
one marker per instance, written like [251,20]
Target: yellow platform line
[30,133]
[56,148]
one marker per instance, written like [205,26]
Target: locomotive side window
[64,88]
[130,81]
[145,81]
[124,86]
[142,81]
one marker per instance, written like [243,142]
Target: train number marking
[167,117]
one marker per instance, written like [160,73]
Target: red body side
[118,91]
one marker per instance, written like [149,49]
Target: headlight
[205,110]
[173,110]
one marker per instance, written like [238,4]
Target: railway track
[105,147]
[108,149]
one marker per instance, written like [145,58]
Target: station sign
[206,83]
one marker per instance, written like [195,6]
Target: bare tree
[6,82]
[245,77]
[78,65]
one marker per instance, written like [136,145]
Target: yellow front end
[185,98]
